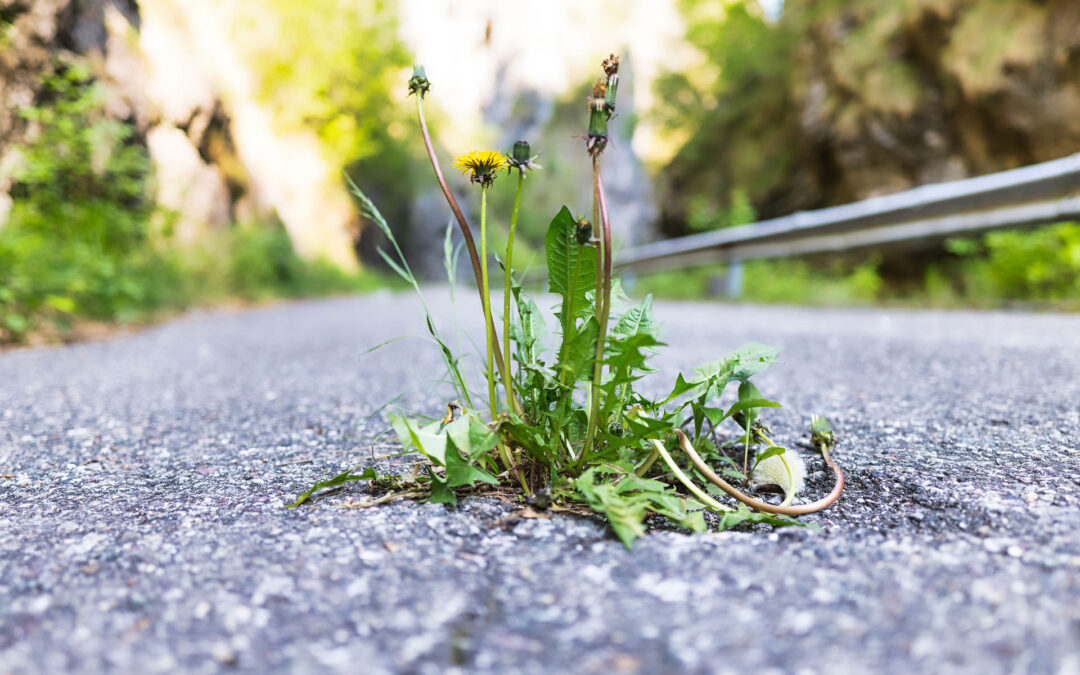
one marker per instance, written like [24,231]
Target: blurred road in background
[142,528]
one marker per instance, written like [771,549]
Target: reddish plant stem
[606,224]
[470,244]
[603,301]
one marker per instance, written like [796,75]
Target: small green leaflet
[742,364]
[459,473]
[340,479]
[638,320]
[440,492]
[745,515]
[771,452]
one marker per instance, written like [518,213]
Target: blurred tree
[339,68]
[735,111]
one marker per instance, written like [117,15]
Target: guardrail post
[733,280]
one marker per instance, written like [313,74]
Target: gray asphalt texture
[142,528]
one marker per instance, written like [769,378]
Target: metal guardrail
[1033,195]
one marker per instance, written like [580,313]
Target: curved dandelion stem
[757,504]
[466,233]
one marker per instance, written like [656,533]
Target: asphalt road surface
[142,528]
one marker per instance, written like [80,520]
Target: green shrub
[79,241]
[1041,264]
[262,263]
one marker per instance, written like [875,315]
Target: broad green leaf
[571,267]
[427,439]
[625,513]
[527,327]
[581,353]
[682,386]
[577,425]
[460,473]
[747,393]
[752,358]
[743,363]
[747,404]
[480,440]
[745,515]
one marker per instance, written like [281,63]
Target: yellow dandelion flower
[481,165]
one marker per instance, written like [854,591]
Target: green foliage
[548,435]
[737,107]
[802,282]
[79,242]
[76,240]
[335,68]
[570,422]
[833,99]
[262,263]
[1041,265]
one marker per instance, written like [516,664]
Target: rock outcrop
[170,72]
[877,97]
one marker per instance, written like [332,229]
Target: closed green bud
[821,433]
[598,120]
[522,152]
[419,83]
[521,158]
[611,69]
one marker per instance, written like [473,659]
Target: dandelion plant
[566,425]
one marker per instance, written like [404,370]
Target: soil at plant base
[143,478]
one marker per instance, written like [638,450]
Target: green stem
[466,233]
[746,450]
[690,485]
[644,467]
[486,299]
[508,380]
[490,324]
[603,301]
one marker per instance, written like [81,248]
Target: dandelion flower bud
[821,433]
[520,158]
[419,83]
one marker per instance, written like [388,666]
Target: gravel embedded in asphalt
[143,478]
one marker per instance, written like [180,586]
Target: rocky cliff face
[169,71]
[880,96]
[939,90]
